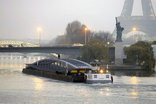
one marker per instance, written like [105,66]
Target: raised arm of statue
[119,30]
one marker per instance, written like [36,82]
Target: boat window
[58,63]
[107,76]
[95,76]
[55,63]
[63,64]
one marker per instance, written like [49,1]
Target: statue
[119,30]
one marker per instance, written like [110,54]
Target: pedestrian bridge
[10,43]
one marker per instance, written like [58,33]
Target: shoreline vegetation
[141,54]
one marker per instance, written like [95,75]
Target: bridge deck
[57,50]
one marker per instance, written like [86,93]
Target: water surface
[19,88]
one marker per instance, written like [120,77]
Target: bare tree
[75,33]
[102,36]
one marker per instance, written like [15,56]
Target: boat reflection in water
[38,84]
[134,81]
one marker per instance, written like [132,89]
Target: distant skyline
[19,19]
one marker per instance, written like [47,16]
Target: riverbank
[128,70]
[125,68]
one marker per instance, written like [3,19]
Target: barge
[70,70]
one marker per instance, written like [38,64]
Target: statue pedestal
[119,53]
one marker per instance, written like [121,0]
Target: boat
[71,70]
[98,74]
[98,77]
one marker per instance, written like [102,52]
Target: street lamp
[39,29]
[133,29]
[86,29]
[108,43]
[108,53]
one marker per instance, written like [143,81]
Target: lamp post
[86,29]
[108,54]
[108,43]
[39,29]
[137,59]
[133,29]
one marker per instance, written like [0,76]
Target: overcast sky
[20,18]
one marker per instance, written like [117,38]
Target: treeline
[95,50]
[75,33]
[140,53]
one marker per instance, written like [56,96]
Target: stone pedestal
[119,53]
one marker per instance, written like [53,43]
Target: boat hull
[98,81]
[53,75]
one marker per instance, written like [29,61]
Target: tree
[102,36]
[75,32]
[94,49]
[141,53]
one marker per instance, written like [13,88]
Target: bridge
[23,47]
[76,50]
[57,50]
[8,43]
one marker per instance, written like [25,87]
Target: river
[19,88]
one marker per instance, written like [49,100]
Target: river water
[19,88]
